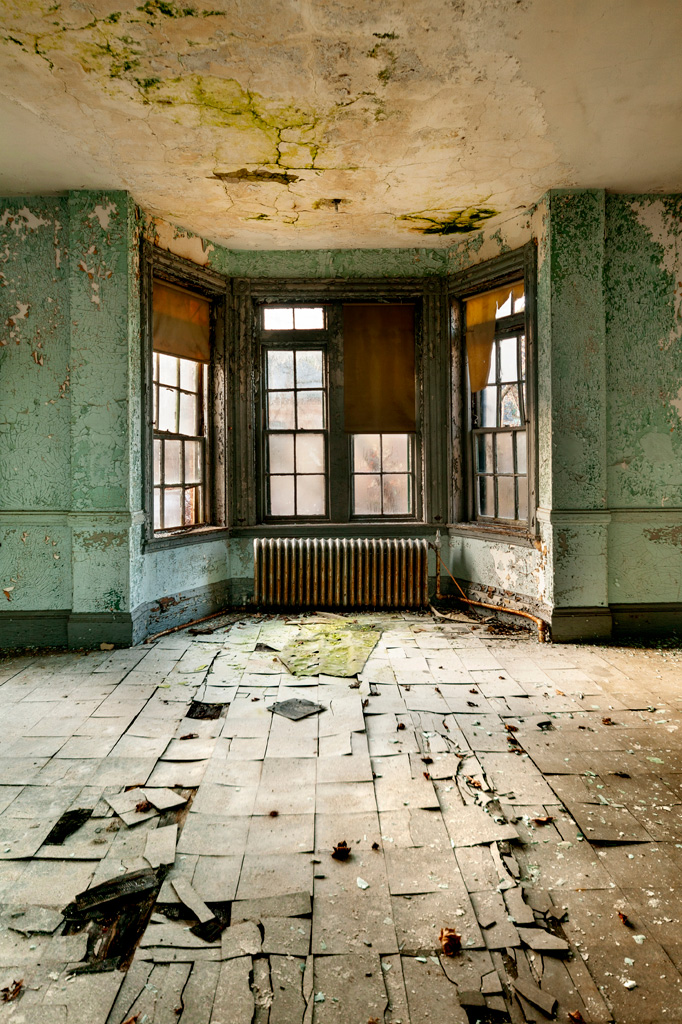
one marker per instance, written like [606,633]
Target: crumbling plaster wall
[69,319]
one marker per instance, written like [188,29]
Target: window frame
[432,456]
[520,264]
[157,263]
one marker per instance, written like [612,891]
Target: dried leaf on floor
[12,991]
[450,940]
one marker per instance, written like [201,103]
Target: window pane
[522,491]
[281,410]
[309,369]
[484,451]
[168,370]
[280,368]
[157,508]
[489,407]
[395,453]
[168,413]
[367,495]
[366,453]
[505,453]
[189,375]
[282,496]
[521,452]
[310,409]
[507,359]
[492,372]
[309,319]
[506,307]
[188,414]
[281,453]
[278,319]
[193,467]
[396,494]
[157,461]
[310,453]
[172,464]
[156,408]
[505,497]
[173,507]
[523,357]
[520,304]
[510,412]
[486,498]
[192,511]
[310,496]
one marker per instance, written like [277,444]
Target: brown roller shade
[378,362]
[181,322]
[480,330]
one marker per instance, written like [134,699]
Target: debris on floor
[511,818]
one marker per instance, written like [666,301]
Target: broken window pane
[310,497]
[282,496]
[281,453]
[310,453]
[278,319]
[510,411]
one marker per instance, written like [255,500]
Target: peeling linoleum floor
[519,803]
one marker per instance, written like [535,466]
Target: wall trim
[32,629]
[586,625]
[567,517]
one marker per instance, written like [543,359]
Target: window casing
[493,395]
[184,470]
[312,467]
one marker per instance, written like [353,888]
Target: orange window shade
[481,311]
[379,368]
[181,322]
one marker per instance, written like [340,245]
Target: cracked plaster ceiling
[339,123]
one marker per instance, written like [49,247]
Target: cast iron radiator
[340,573]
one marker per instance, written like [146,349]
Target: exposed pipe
[540,623]
[184,625]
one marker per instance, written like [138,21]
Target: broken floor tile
[274,875]
[431,996]
[234,1000]
[348,988]
[286,935]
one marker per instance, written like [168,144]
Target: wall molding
[53,516]
[576,516]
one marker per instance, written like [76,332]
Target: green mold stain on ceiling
[452,223]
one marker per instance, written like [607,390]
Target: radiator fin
[292,572]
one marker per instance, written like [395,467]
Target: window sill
[164,541]
[389,528]
[519,536]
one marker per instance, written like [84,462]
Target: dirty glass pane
[309,369]
[310,453]
[193,462]
[310,410]
[172,462]
[522,341]
[157,508]
[281,451]
[395,452]
[510,412]
[278,319]
[505,453]
[521,452]
[484,453]
[280,368]
[396,494]
[188,414]
[189,374]
[281,410]
[156,408]
[367,496]
[309,318]
[505,497]
[192,510]
[522,491]
[168,410]
[507,359]
[168,370]
[157,461]
[282,496]
[489,407]
[366,453]
[173,507]
[486,496]
[310,496]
